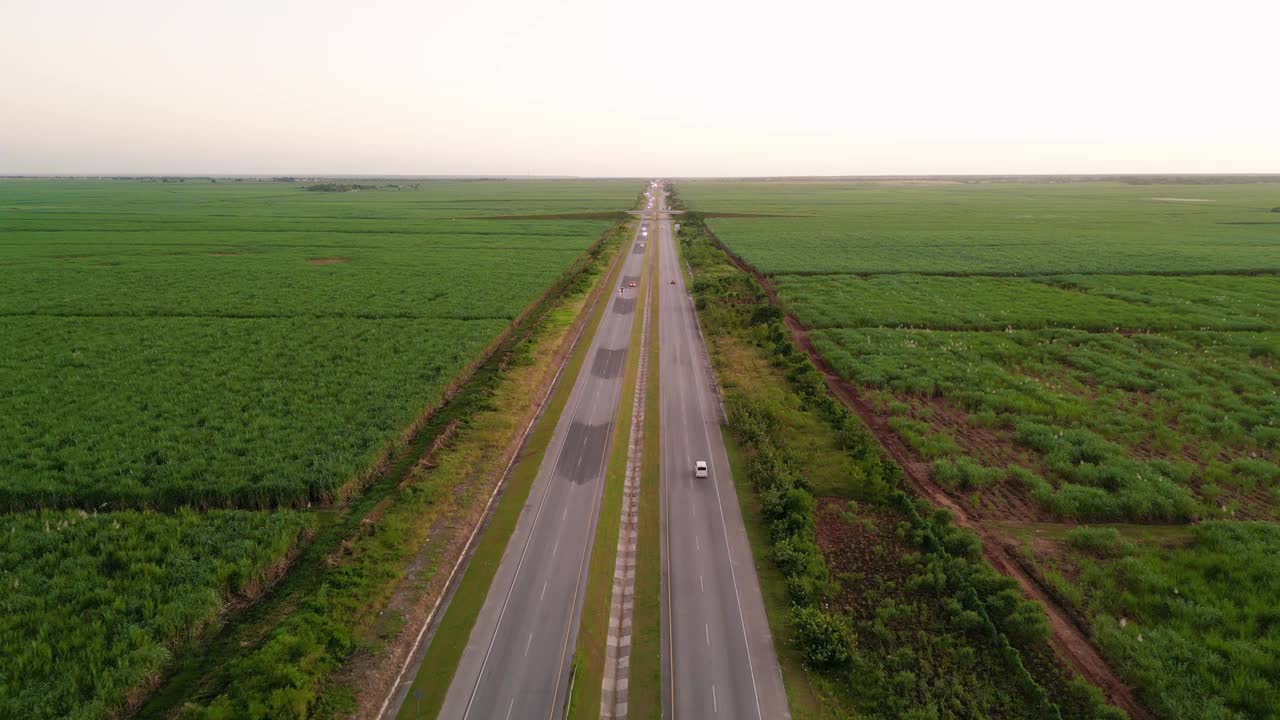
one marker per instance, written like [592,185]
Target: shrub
[824,637]
[1103,542]
[964,473]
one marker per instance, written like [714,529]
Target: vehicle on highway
[673,282]
[631,284]
[700,469]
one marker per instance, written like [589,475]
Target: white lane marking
[701,587]
[697,543]
[555,548]
[544,591]
[702,411]
[513,704]
[715,706]
[707,628]
[597,480]
[528,644]
[575,400]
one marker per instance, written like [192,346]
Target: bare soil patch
[858,546]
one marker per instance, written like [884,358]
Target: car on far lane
[700,469]
[631,284]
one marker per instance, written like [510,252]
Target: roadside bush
[824,637]
[964,473]
[1103,542]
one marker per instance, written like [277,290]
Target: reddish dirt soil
[866,546]
[1069,636]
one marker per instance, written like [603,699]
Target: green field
[177,347]
[1183,617]
[249,344]
[1062,352]
[999,228]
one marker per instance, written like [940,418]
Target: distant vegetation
[338,187]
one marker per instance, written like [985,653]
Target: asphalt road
[718,652]
[516,663]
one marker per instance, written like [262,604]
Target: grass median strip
[450,639]
[594,630]
[644,688]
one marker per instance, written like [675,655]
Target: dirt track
[1069,635]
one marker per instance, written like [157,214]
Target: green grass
[1192,622]
[250,344]
[431,684]
[805,697]
[644,688]
[95,606]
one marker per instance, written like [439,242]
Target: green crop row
[164,412]
[94,606]
[1002,229]
[1202,408]
[1093,302]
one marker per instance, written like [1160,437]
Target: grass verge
[644,687]
[594,631]
[804,699]
[447,645]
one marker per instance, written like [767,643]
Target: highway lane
[719,659]
[516,663]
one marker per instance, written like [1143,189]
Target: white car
[700,469]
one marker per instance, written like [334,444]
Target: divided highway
[718,654]
[516,663]
[719,659]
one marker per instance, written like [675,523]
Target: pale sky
[670,88]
